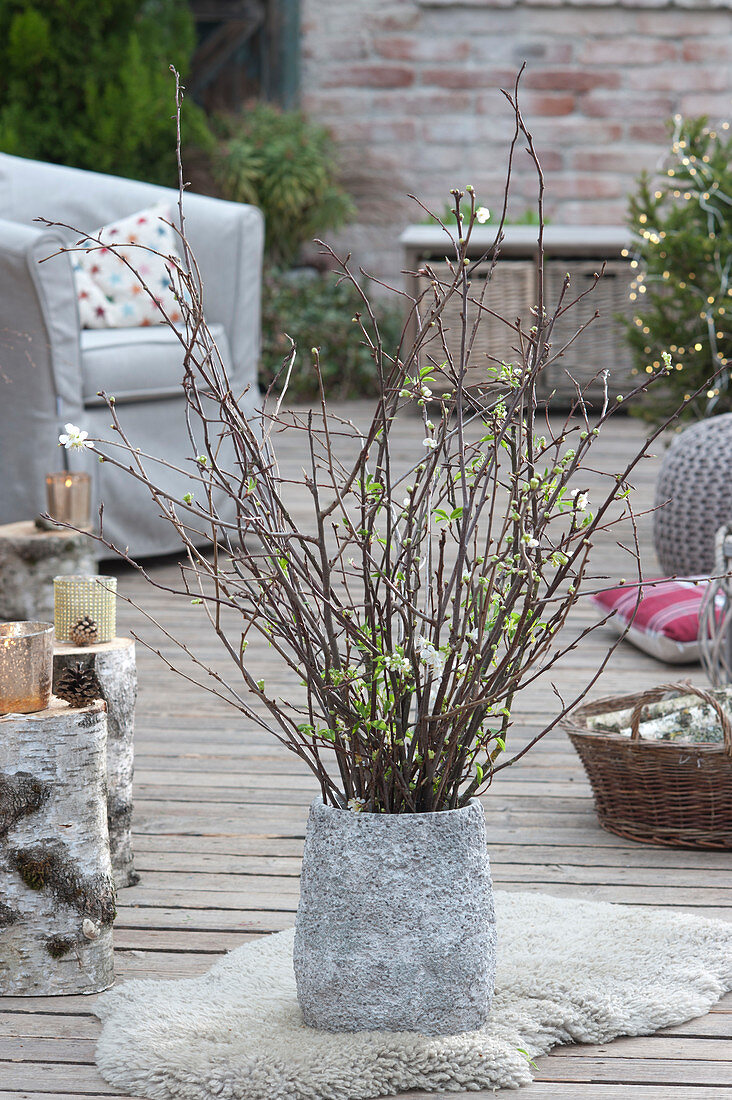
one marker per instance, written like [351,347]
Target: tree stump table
[114,665]
[56,890]
[29,560]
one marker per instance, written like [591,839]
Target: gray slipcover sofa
[51,370]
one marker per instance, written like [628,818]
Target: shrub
[682,223]
[318,310]
[87,83]
[286,166]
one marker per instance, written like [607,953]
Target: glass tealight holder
[85,609]
[68,499]
[26,666]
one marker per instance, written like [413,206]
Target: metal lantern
[715,615]
[26,666]
[68,498]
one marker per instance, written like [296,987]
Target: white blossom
[532,543]
[356,804]
[74,438]
[581,500]
[482,214]
[429,443]
[433,659]
[396,663]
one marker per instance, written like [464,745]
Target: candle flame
[68,482]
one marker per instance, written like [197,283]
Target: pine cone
[78,685]
[84,632]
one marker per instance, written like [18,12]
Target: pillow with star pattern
[109,294]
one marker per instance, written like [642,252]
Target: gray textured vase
[396,928]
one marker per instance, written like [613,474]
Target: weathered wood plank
[569,1090]
[79,1050]
[627,1071]
[55,1077]
[199,856]
[171,890]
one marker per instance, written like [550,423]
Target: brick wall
[411,89]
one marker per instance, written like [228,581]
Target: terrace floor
[219,824]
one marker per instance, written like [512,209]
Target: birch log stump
[114,665]
[56,890]
[29,560]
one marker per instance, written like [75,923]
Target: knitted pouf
[696,481]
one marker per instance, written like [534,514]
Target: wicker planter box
[512,293]
[670,793]
[602,345]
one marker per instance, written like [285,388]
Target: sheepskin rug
[568,972]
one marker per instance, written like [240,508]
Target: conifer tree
[682,291]
[87,83]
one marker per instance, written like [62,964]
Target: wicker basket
[602,345]
[657,792]
[510,293]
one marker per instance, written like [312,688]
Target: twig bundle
[419,603]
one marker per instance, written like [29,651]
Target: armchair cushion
[136,364]
[110,294]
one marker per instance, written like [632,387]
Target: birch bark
[114,665]
[29,560]
[57,901]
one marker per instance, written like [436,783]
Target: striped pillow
[667,622]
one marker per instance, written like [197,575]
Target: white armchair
[51,370]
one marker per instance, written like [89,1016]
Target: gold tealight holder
[85,609]
[68,499]
[26,666]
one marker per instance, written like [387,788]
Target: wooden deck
[219,823]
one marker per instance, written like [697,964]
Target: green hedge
[317,311]
[87,83]
[287,166]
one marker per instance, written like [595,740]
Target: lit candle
[68,498]
[85,609]
[26,667]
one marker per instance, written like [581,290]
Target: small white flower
[397,663]
[532,543]
[432,658]
[581,500]
[482,214]
[406,502]
[356,804]
[426,392]
[430,444]
[74,438]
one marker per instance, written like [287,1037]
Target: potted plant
[422,598]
